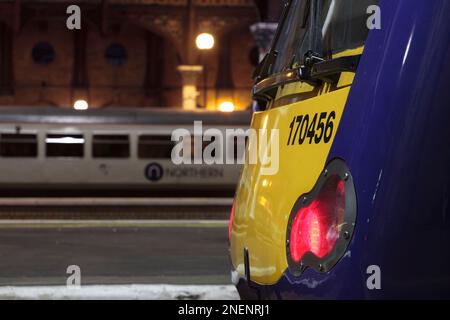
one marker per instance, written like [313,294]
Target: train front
[346,195]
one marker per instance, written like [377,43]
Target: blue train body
[395,138]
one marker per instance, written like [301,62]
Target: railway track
[115,208]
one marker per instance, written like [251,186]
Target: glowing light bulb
[81,105]
[205,41]
[227,106]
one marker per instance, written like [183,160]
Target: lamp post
[205,42]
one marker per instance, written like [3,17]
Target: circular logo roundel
[154,172]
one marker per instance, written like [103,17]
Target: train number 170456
[314,128]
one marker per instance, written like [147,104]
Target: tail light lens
[322,222]
[230,223]
[317,226]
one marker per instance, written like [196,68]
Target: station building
[129,53]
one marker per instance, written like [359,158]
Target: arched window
[116,54]
[43,53]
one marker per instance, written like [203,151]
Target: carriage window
[341,26]
[18,145]
[205,142]
[344,24]
[210,140]
[155,147]
[239,144]
[65,145]
[111,146]
[292,31]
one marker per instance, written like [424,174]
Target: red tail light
[317,226]
[322,222]
[230,224]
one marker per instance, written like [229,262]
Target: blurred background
[140,53]
[89,98]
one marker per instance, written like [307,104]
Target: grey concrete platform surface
[114,252]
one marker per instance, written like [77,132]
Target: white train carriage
[109,149]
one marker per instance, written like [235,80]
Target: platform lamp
[80,105]
[204,42]
[80,98]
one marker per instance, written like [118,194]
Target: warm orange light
[205,41]
[81,105]
[227,106]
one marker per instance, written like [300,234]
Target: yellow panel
[299,88]
[264,203]
[347,77]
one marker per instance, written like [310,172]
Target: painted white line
[116,201]
[122,292]
[61,223]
